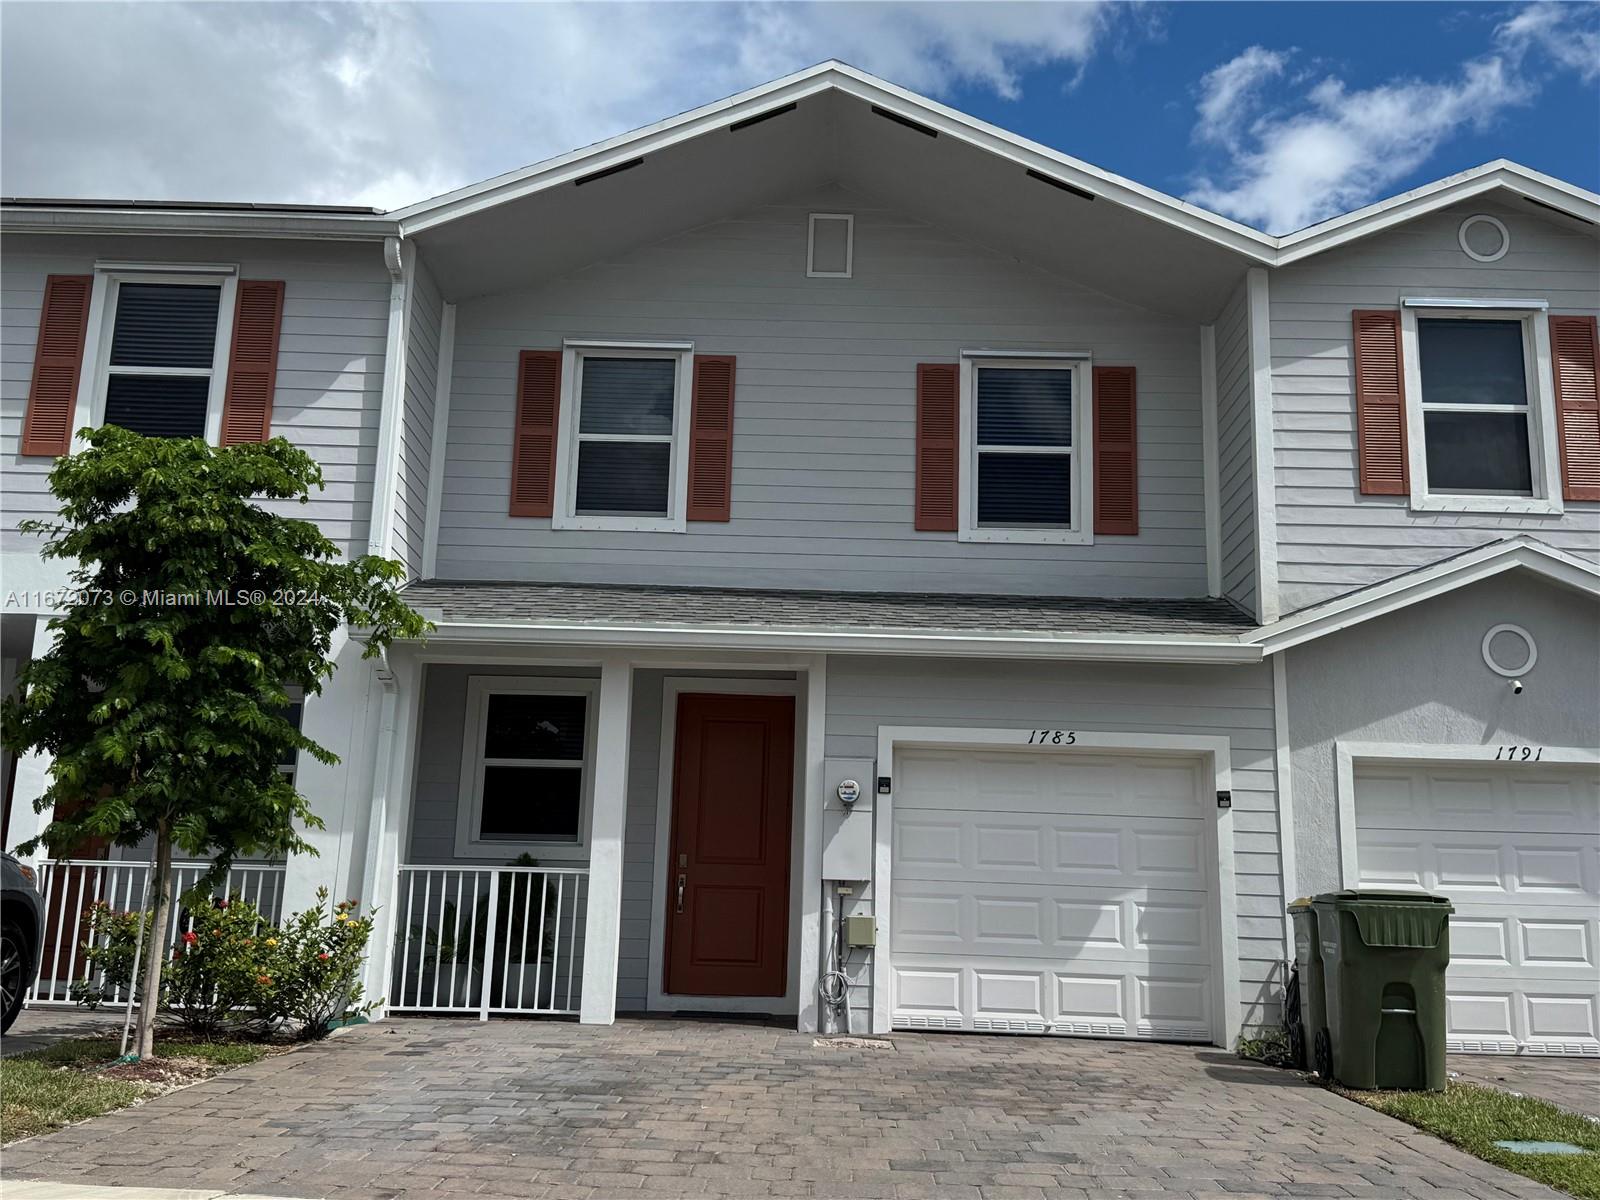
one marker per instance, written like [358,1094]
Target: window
[623,446]
[163,353]
[830,246]
[295,712]
[1025,438]
[525,769]
[1480,408]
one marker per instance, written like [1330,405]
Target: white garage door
[1052,893]
[1517,848]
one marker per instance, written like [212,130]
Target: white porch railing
[71,887]
[489,940]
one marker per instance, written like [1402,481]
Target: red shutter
[57,362]
[1380,403]
[252,361]
[938,453]
[711,439]
[1576,354]
[533,444]
[1116,452]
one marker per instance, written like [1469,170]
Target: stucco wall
[1418,677]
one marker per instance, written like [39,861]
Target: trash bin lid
[1408,920]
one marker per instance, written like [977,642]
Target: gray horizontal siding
[1330,537]
[330,360]
[1236,479]
[823,460]
[416,420]
[865,693]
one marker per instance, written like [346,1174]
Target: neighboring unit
[831,505]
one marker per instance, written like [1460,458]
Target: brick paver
[1571,1083]
[663,1108]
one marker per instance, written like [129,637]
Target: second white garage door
[1517,849]
[1052,893]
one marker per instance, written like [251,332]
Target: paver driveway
[413,1108]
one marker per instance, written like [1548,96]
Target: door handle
[682,879]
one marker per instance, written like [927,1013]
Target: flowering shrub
[231,967]
[320,966]
[223,968]
[108,953]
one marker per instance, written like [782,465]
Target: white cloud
[1229,92]
[388,103]
[1298,160]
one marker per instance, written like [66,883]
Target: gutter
[344,227]
[1063,646]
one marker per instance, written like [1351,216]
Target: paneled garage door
[1517,848]
[1052,892]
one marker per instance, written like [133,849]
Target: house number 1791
[1519,753]
[1052,737]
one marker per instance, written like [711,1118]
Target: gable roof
[1390,595]
[833,76]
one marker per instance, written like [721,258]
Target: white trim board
[1263,442]
[656,1000]
[1521,552]
[440,444]
[1348,753]
[1211,455]
[1216,755]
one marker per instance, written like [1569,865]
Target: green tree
[163,703]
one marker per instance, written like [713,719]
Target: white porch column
[389,815]
[336,719]
[33,771]
[812,922]
[603,919]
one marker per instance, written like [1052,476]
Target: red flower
[190,938]
[323,957]
[263,978]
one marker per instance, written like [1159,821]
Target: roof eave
[1392,595]
[836,640]
[346,227]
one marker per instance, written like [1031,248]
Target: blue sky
[1276,114]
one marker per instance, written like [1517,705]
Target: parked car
[21,918]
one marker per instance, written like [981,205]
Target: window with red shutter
[711,439]
[533,440]
[1116,452]
[253,361]
[1380,403]
[937,448]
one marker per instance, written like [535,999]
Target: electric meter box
[847,828]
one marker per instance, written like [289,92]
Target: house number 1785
[1052,737]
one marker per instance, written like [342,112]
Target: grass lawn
[74,1079]
[1474,1118]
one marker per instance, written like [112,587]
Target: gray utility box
[847,828]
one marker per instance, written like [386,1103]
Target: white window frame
[296,695]
[97,370]
[1081,531]
[565,514]
[849,245]
[469,799]
[1540,408]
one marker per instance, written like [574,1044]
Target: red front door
[727,890]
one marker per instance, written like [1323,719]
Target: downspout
[398,257]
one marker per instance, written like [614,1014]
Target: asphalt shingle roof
[679,607]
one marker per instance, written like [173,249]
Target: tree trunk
[155,960]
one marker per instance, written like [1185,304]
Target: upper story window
[831,246]
[526,766]
[1480,408]
[623,439]
[163,356]
[1025,437]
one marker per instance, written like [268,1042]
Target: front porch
[532,812]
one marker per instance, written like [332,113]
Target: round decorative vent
[1509,650]
[1484,238]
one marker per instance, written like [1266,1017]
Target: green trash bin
[1384,956]
[1309,1037]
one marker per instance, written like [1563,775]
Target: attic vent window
[830,246]
[1484,238]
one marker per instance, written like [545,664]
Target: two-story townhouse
[832,507]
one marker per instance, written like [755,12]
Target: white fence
[72,887]
[489,939]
